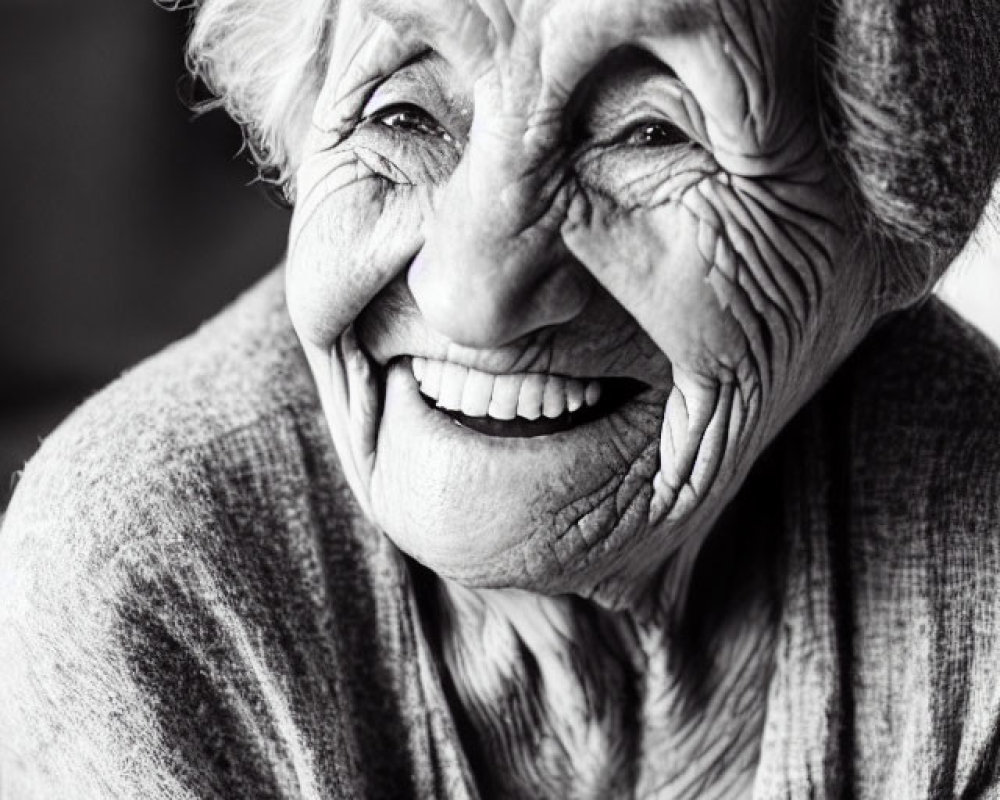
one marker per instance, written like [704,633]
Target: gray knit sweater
[192,607]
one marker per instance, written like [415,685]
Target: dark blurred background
[126,221]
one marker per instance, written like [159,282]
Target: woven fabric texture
[192,607]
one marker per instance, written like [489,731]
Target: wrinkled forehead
[562,38]
[487,24]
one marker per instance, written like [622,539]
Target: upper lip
[498,363]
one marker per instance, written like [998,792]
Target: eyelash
[424,125]
[652,133]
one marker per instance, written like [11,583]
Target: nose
[494,266]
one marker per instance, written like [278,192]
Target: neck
[559,697]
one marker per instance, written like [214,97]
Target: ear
[912,93]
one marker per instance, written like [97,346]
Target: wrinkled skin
[589,189]
[594,190]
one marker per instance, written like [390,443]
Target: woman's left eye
[410,119]
[654,133]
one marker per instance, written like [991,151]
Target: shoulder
[210,416]
[925,410]
[930,357]
[198,400]
[169,528]
[919,407]
[921,451]
[891,495]
[909,434]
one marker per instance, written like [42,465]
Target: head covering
[914,112]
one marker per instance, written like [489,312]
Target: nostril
[478,310]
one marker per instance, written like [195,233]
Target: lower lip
[616,394]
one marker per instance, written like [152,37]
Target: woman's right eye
[409,119]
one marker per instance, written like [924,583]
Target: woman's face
[561,270]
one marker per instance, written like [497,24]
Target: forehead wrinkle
[578,35]
[460,30]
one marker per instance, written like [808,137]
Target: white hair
[264,61]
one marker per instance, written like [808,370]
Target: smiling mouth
[518,405]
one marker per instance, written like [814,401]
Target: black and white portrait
[500,399]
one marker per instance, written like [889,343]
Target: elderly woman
[596,439]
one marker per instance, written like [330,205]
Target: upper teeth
[529,395]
